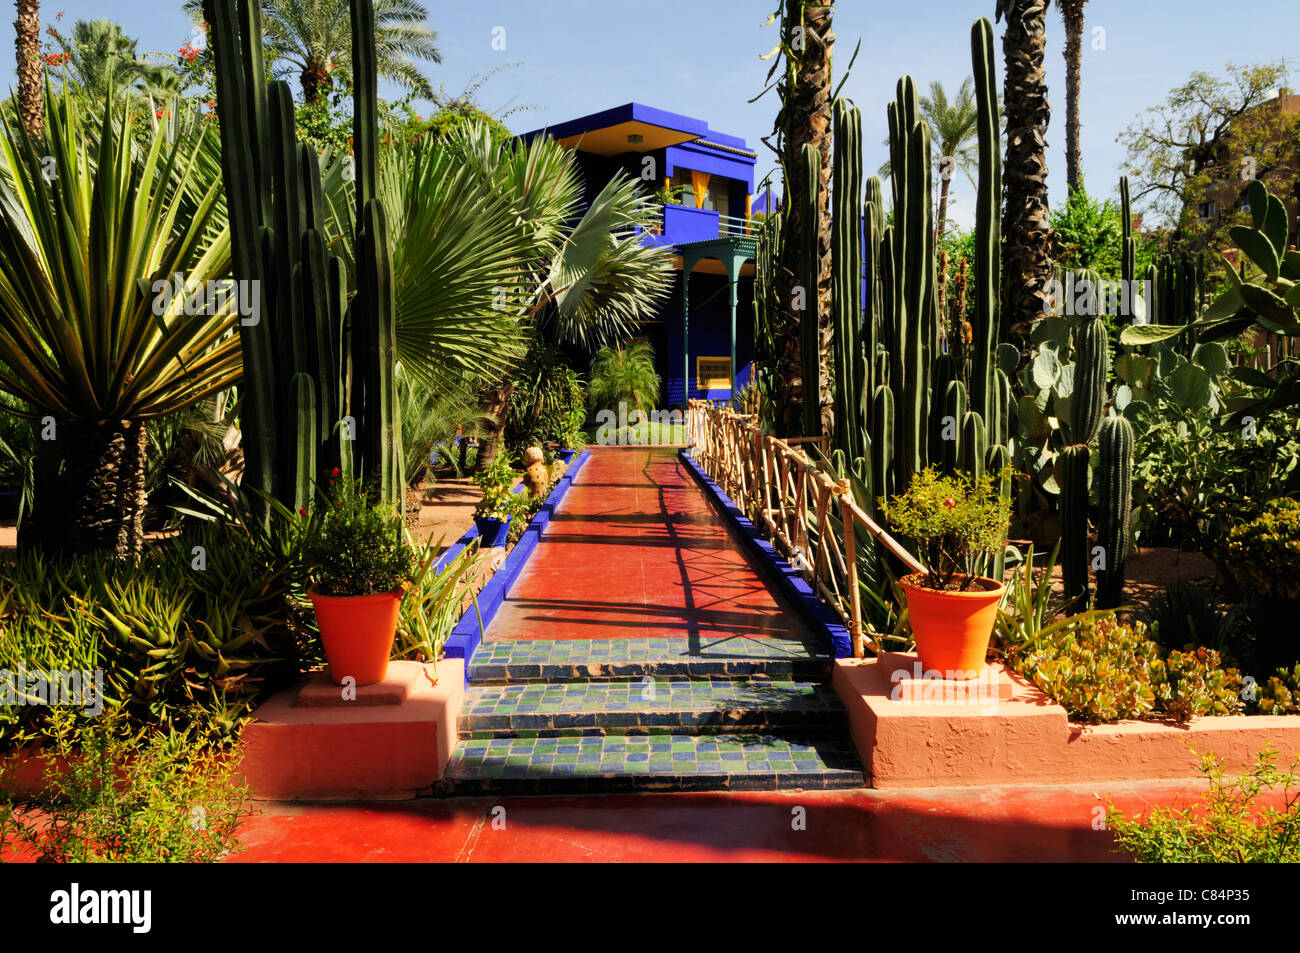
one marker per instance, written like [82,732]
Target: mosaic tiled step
[737,762]
[639,706]
[515,660]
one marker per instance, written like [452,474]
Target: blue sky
[701,57]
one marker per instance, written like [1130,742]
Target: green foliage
[548,401]
[434,602]
[192,635]
[1027,618]
[952,519]
[1194,481]
[1086,235]
[1108,672]
[1231,826]
[119,796]
[1185,617]
[496,481]
[621,374]
[357,546]
[1279,694]
[1263,556]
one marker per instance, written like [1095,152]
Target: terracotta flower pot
[358,633]
[952,628]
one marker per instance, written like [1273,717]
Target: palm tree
[804,119]
[91,348]
[1072,13]
[624,374]
[1027,263]
[315,38]
[27,44]
[953,127]
[588,282]
[101,59]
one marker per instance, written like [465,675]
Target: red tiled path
[955,824]
[635,550]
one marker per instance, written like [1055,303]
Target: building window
[1205,212]
[713,373]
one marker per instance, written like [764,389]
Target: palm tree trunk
[942,216]
[89,493]
[805,117]
[27,43]
[496,407]
[1027,268]
[1072,13]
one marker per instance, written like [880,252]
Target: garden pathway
[641,648]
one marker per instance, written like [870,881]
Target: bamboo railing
[791,499]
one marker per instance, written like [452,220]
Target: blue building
[703,335]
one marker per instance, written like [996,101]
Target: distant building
[703,335]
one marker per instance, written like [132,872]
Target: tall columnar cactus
[901,402]
[1083,414]
[1114,505]
[850,365]
[298,410]
[1128,248]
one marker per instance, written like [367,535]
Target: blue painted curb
[823,621]
[468,633]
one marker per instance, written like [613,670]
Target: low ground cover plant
[117,795]
[1232,825]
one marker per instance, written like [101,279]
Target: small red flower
[950,502]
[302,511]
[335,472]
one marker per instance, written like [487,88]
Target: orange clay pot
[358,633]
[952,629]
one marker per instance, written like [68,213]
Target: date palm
[953,127]
[1072,14]
[804,119]
[27,45]
[1027,262]
[91,228]
[314,37]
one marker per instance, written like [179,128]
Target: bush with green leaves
[357,547]
[1109,671]
[191,636]
[496,481]
[954,521]
[1263,556]
[624,375]
[1193,481]
[1232,825]
[120,796]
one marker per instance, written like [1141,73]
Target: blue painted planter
[565,455]
[492,532]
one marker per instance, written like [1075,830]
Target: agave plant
[93,228]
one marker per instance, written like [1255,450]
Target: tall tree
[1072,14]
[27,45]
[804,119]
[1027,232]
[1205,141]
[315,38]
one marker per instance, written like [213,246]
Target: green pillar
[733,264]
[687,264]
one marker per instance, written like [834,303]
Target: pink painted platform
[911,734]
[391,741]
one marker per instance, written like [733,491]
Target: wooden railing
[792,500]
